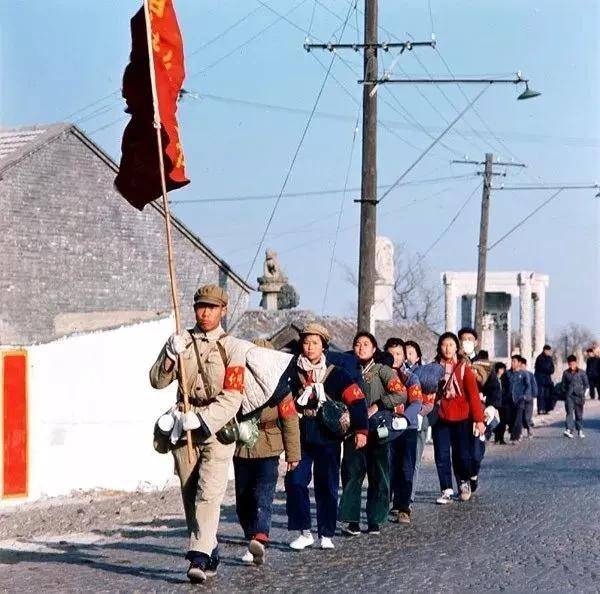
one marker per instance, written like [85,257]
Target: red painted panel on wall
[14,433]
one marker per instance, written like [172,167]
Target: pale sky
[253,102]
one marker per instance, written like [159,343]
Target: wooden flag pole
[167,213]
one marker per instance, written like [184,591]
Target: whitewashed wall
[92,411]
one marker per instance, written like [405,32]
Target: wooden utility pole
[483,243]
[368,196]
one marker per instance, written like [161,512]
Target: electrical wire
[524,220]
[291,167]
[341,212]
[422,155]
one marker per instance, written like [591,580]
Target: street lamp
[526,94]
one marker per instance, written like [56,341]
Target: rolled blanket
[429,375]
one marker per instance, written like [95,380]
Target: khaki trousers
[203,486]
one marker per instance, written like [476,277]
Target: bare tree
[417,297]
[573,337]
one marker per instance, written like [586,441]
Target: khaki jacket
[279,431]
[220,401]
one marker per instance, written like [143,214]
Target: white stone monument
[383,308]
[528,287]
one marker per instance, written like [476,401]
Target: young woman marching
[458,406]
[256,470]
[384,390]
[318,391]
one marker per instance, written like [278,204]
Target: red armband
[351,394]
[429,398]
[414,393]
[396,386]
[234,379]
[286,408]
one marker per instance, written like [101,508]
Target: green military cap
[212,295]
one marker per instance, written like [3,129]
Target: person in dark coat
[592,370]
[312,383]
[544,369]
[574,384]
[515,385]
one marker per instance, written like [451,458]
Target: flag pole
[167,213]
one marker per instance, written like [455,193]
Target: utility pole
[483,243]
[487,173]
[368,196]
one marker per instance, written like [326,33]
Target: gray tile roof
[14,140]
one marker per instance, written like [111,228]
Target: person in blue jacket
[515,385]
[312,383]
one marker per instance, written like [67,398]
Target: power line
[523,221]
[291,167]
[422,155]
[341,212]
[313,193]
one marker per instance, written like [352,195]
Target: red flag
[138,179]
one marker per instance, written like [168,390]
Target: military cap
[212,295]
[315,328]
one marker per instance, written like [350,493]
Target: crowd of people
[340,417]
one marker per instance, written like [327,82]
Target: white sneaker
[465,491]
[248,557]
[568,433]
[326,543]
[580,433]
[303,541]
[445,497]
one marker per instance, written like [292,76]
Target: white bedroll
[264,370]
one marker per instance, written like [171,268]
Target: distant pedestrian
[544,369]
[504,409]
[458,406]
[530,396]
[320,392]
[516,384]
[574,384]
[592,370]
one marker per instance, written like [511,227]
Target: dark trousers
[505,413]
[528,415]
[574,406]
[372,461]
[326,461]
[452,449]
[594,387]
[403,462]
[544,399]
[477,454]
[516,426]
[255,482]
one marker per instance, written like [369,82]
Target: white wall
[92,411]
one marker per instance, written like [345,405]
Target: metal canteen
[382,432]
[166,423]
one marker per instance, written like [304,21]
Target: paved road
[534,526]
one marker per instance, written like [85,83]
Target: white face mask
[468,347]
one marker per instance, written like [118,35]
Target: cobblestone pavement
[534,525]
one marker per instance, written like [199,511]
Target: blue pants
[255,482]
[544,399]
[326,461]
[452,449]
[403,460]
[477,454]
[574,407]
[528,415]
[421,439]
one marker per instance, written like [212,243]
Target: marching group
[362,414]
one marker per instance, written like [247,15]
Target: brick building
[75,255]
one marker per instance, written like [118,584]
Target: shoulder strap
[200,367]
